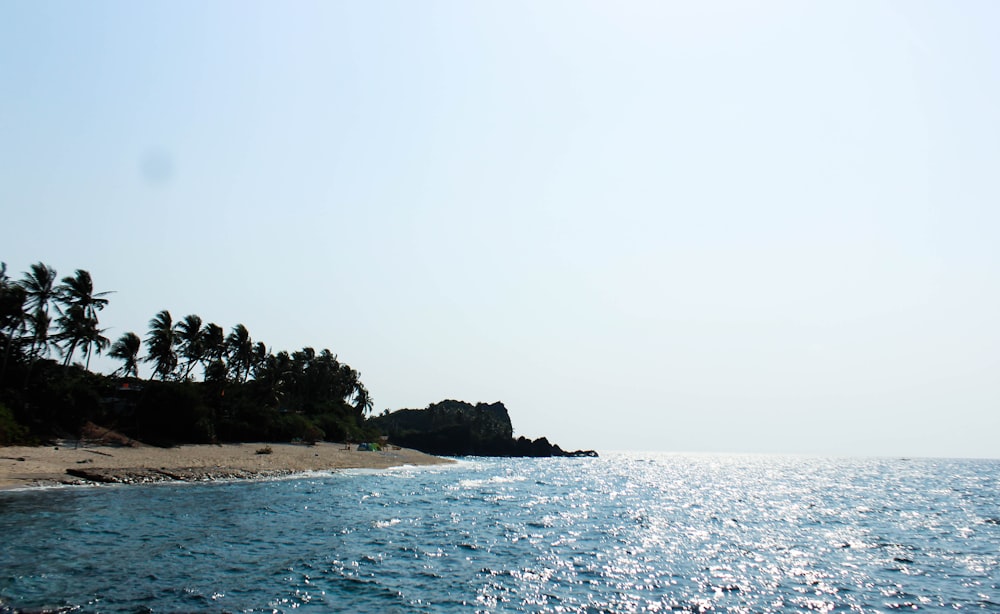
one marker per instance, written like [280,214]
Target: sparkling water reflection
[622,533]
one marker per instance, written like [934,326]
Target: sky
[735,227]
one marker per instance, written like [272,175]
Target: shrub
[170,413]
[294,426]
[332,425]
[10,431]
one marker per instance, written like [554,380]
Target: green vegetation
[10,431]
[206,386]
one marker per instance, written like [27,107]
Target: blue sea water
[622,533]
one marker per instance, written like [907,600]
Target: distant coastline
[206,387]
[71,464]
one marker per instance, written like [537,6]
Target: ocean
[626,532]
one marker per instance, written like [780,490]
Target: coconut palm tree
[363,401]
[213,340]
[13,315]
[78,305]
[347,382]
[72,324]
[38,323]
[93,341]
[39,284]
[190,339]
[258,358]
[239,352]
[79,290]
[77,329]
[275,374]
[40,289]
[12,299]
[126,349]
[160,345]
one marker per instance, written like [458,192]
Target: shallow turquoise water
[622,533]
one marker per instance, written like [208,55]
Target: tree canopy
[204,384]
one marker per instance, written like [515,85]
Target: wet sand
[72,463]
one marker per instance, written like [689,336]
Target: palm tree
[78,329]
[39,324]
[347,382]
[258,358]
[73,324]
[94,341]
[239,350]
[126,349]
[274,372]
[363,401]
[213,340]
[39,288]
[79,290]
[80,305]
[160,345]
[190,339]
[39,284]
[13,315]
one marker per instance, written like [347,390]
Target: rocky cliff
[457,428]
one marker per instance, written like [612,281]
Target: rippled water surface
[623,533]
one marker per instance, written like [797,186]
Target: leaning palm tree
[72,325]
[213,340]
[363,402]
[274,373]
[79,304]
[160,345]
[239,352]
[12,298]
[39,323]
[39,286]
[13,316]
[258,358]
[94,341]
[77,329]
[79,290]
[190,340]
[126,349]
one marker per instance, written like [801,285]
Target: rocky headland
[457,428]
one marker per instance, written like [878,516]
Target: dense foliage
[205,386]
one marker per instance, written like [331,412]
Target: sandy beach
[73,463]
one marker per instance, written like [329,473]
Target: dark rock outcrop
[457,428]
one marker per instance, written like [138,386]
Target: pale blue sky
[687,226]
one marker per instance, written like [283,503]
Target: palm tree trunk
[32,359]
[6,354]
[69,356]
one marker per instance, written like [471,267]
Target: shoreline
[76,463]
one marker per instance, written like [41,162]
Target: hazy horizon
[671,226]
